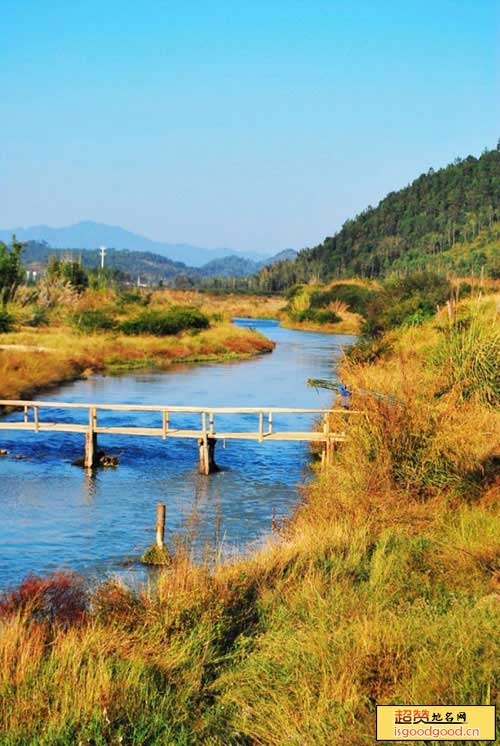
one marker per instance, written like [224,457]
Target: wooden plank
[158,432]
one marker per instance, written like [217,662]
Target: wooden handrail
[173,408]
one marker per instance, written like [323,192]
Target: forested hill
[417,227]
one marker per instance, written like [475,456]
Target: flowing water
[54,515]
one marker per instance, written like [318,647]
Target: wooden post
[325,456]
[91,441]
[207,455]
[165,423]
[160,525]
[26,414]
[211,421]
[270,422]
[35,417]
[261,426]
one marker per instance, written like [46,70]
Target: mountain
[91,235]
[238,266]
[283,256]
[445,219]
[147,265]
[144,264]
[230,266]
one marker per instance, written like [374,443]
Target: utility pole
[102,250]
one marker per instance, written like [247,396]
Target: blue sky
[255,125]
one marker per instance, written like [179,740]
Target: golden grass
[70,354]
[384,588]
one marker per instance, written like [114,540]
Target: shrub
[293,291]
[406,301]
[38,317]
[173,321]
[321,316]
[368,350]
[128,297]
[355,297]
[6,322]
[60,597]
[93,321]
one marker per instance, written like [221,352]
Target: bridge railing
[331,430]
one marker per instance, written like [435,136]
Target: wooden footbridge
[35,417]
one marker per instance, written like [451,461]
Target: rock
[106,460]
[102,459]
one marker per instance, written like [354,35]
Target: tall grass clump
[468,359]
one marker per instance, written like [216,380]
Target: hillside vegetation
[384,588]
[445,219]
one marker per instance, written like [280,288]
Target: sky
[256,125]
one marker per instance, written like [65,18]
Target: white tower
[102,250]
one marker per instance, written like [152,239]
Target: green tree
[11,269]
[69,271]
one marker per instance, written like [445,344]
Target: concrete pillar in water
[207,455]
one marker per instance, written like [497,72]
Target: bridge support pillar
[90,458]
[207,455]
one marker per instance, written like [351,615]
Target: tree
[69,271]
[11,270]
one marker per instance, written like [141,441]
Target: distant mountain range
[147,265]
[90,235]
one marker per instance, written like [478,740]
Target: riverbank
[56,334]
[60,354]
[383,589]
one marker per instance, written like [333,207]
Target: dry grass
[383,589]
[68,354]
[227,305]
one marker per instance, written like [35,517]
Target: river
[54,515]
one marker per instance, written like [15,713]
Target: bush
[128,297]
[61,597]
[406,301]
[368,350]
[322,316]
[93,321]
[173,321]
[38,318]
[355,297]
[6,322]
[293,291]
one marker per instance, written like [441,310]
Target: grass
[336,308]
[384,588]
[98,345]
